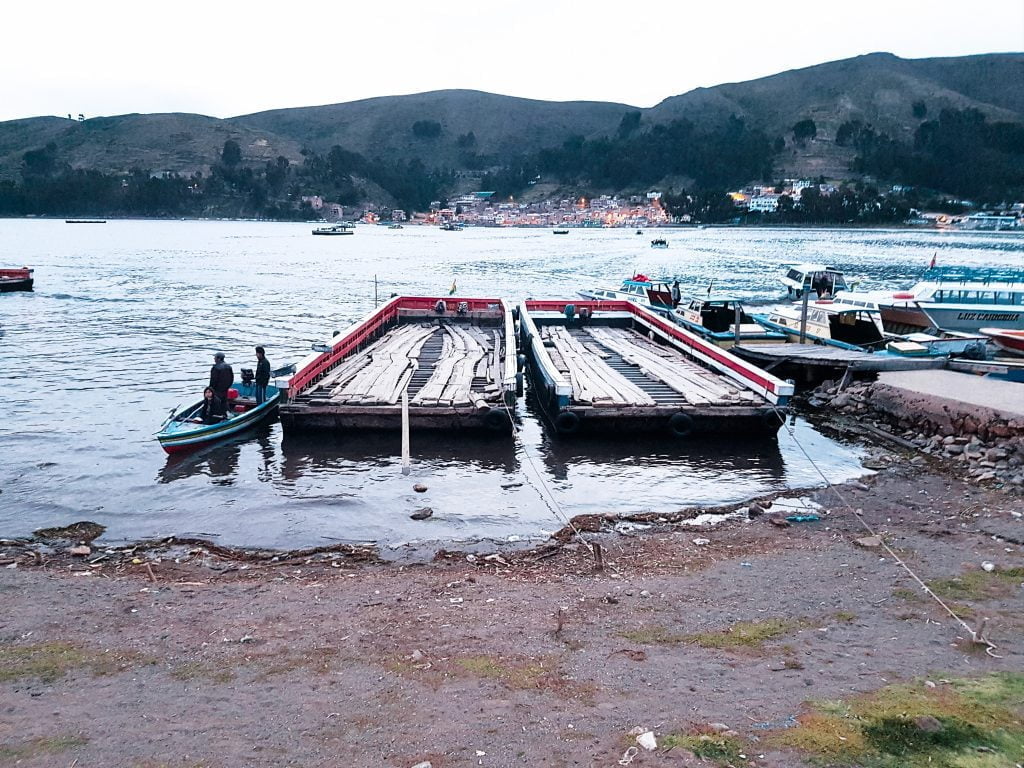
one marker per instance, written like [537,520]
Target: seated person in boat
[208,414]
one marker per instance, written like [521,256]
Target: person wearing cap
[221,379]
[262,378]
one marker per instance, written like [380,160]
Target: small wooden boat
[179,433]
[16,279]
[560,232]
[612,366]
[341,228]
[1008,340]
[456,359]
[714,318]
[659,242]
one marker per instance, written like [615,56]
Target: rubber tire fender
[773,420]
[496,420]
[567,423]
[680,425]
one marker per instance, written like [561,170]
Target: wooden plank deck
[621,368]
[462,363]
[771,356]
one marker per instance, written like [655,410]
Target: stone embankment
[976,423]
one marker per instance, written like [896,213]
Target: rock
[80,551]
[995,454]
[424,764]
[952,449]
[422,513]
[970,425]
[647,741]
[416,655]
[779,522]
[420,488]
[984,478]
[644,593]
[928,724]
[869,542]
[719,727]
[610,599]
[988,567]
[701,542]
[841,401]
[755,509]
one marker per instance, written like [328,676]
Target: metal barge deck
[609,366]
[455,357]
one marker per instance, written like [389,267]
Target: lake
[126,317]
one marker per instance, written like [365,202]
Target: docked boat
[182,431]
[19,279]
[452,226]
[659,242]
[957,289]
[857,325]
[639,289]
[395,226]
[455,357]
[1009,341]
[715,319]
[341,228]
[817,279]
[610,367]
[560,231]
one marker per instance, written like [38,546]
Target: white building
[764,203]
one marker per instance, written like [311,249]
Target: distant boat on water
[85,221]
[341,228]
[659,242]
[15,280]
[560,232]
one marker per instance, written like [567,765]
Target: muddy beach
[723,642]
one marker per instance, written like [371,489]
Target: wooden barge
[456,358]
[612,366]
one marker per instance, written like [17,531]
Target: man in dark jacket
[221,379]
[262,375]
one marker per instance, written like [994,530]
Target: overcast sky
[230,58]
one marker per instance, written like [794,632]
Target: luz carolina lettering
[988,316]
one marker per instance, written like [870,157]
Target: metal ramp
[661,392]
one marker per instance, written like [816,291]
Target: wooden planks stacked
[378,375]
[670,366]
[593,380]
[451,383]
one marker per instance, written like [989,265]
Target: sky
[221,58]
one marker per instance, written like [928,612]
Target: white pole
[405,432]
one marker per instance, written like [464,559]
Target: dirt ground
[181,656]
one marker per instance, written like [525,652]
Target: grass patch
[908,595]
[967,724]
[846,617]
[263,665]
[652,636]
[52,661]
[746,634]
[510,673]
[722,750]
[979,585]
[53,745]
[197,670]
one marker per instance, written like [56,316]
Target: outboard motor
[248,377]
[439,307]
[463,308]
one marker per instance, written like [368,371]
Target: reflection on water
[125,318]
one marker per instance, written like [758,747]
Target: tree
[629,123]
[920,110]
[231,155]
[466,140]
[426,129]
[803,130]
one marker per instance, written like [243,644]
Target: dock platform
[455,358]
[613,366]
[810,362]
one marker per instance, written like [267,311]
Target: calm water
[126,316]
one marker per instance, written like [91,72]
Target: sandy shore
[185,656]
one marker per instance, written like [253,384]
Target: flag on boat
[932,265]
[451,291]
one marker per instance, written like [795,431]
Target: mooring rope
[977,637]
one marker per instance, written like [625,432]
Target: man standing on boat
[262,375]
[221,379]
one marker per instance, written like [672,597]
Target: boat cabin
[833,321]
[639,289]
[817,279]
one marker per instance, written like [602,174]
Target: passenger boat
[714,318]
[817,279]
[16,279]
[659,242]
[395,226]
[857,325]
[178,433]
[968,290]
[1008,341]
[341,228]
[452,226]
[639,289]
[612,366]
[560,231]
[456,358]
